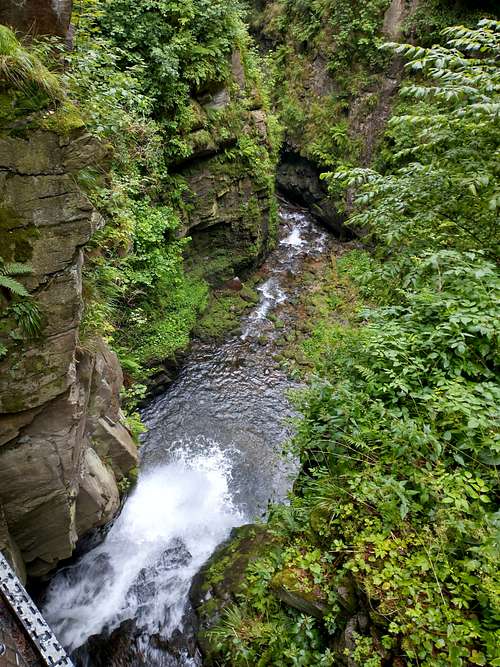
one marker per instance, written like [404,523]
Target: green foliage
[27,316]
[432,17]
[399,442]
[447,186]
[20,316]
[8,271]
[183,45]
[352,27]
[23,70]
[131,80]
[326,54]
[253,640]
[135,74]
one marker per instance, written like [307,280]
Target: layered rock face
[62,445]
[230,188]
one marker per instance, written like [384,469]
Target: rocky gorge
[58,391]
[213,289]
[65,445]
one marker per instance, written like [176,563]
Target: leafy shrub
[399,441]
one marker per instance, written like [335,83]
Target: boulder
[98,498]
[234,284]
[37,17]
[290,588]
[113,442]
[106,384]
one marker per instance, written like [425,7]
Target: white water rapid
[169,526]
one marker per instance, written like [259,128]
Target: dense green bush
[135,72]
[184,45]
[399,442]
[137,78]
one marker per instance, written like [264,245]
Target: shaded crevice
[298,179]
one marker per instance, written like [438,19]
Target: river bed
[212,459]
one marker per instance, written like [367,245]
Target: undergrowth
[391,540]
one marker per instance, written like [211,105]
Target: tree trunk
[37,17]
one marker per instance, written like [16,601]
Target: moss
[224,312]
[128,482]
[7,108]
[63,120]
[16,241]
[224,573]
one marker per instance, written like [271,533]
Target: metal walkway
[25,611]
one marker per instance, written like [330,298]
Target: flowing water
[211,460]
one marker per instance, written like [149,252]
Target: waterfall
[169,526]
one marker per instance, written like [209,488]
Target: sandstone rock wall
[37,17]
[228,203]
[62,446]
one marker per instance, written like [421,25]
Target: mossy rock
[294,587]
[217,584]
[224,313]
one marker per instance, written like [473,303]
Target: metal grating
[31,619]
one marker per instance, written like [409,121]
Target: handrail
[25,610]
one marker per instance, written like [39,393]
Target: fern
[23,310]
[7,272]
[16,269]
[13,285]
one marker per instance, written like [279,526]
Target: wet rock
[118,649]
[39,475]
[149,578]
[112,441]
[98,498]
[221,578]
[234,284]
[348,596]
[287,587]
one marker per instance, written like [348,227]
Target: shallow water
[211,460]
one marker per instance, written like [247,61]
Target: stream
[211,460]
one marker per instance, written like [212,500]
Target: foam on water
[294,239]
[169,526]
[272,295]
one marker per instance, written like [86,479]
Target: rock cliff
[62,445]
[229,203]
[334,90]
[37,17]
